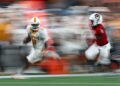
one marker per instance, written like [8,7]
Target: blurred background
[67,25]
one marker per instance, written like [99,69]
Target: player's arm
[27,39]
[99,36]
[100,32]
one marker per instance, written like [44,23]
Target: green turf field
[64,81]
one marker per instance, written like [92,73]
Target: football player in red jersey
[101,45]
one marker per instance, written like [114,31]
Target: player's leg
[27,62]
[32,58]
[92,52]
[104,55]
[104,60]
[25,66]
[22,69]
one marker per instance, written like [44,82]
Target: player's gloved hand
[26,40]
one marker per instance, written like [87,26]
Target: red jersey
[100,34]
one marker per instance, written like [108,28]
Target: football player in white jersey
[39,38]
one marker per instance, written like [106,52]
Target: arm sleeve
[28,38]
[100,32]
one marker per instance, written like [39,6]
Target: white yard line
[63,75]
[62,83]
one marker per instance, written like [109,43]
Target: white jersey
[38,38]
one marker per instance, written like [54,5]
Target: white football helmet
[96,19]
[35,23]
